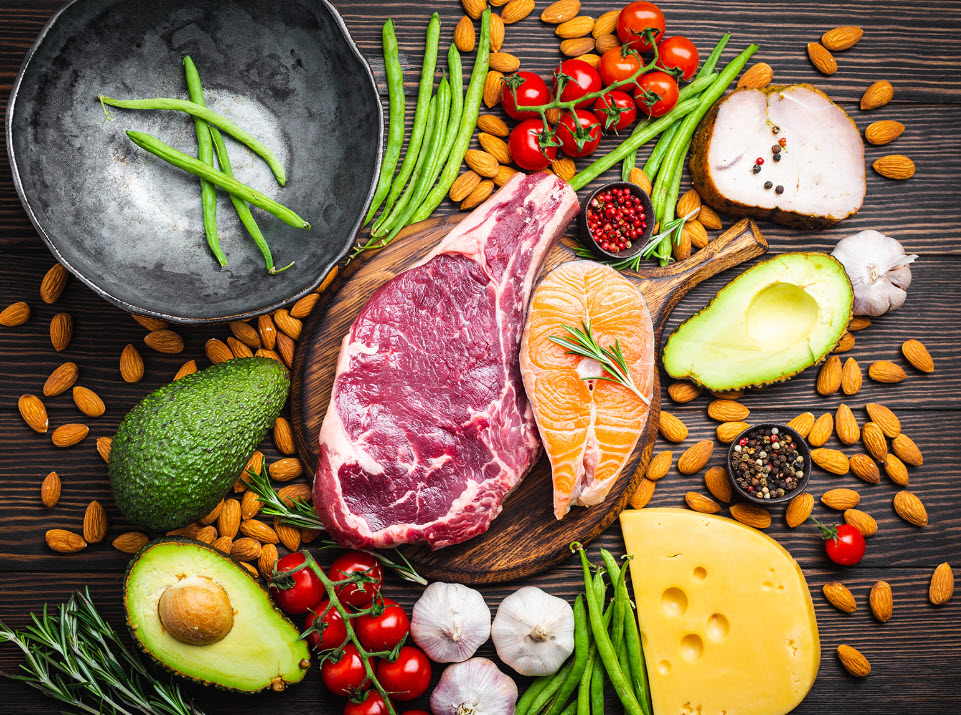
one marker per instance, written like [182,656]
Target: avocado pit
[196,611]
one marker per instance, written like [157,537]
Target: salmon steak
[589,427]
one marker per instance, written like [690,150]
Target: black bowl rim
[585,233]
[803,448]
[18,184]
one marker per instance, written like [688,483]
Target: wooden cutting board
[526,538]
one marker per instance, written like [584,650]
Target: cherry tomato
[580,138]
[346,675]
[617,67]
[372,704]
[406,678]
[582,79]
[333,631]
[358,595]
[657,94]
[525,148]
[615,110]
[383,632]
[528,90]
[634,19]
[306,591]
[843,543]
[678,53]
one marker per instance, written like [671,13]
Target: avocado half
[261,650]
[768,324]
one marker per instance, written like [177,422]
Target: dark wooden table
[916,46]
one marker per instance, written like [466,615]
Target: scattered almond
[503,174]
[130,542]
[207,534]
[690,201]
[267,331]
[288,324]
[286,347]
[916,354]
[492,124]
[854,661]
[464,36]
[492,88]
[53,283]
[245,548]
[267,562]
[504,62]
[61,379]
[803,423]
[896,470]
[894,166]
[553,115]
[844,344]
[575,27]
[659,465]
[564,167]
[474,8]
[841,38]
[479,195]
[756,77]
[88,401]
[294,492]
[728,394]
[65,542]
[942,585]
[591,59]
[701,503]
[883,132]
[699,237]
[255,464]
[283,470]
[14,315]
[94,523]
[846,425]
[149,322]
[859,322]
[34,413]
[283,436]
[164,341]
[50,490]
[131,364]
[821,430]
[718,483]
[642,495]
[497,148]
[885,419]
[463,185]
[727,432]
[481,162]
[516,10]
[727,411]
[214,513]
[709,218]
[223,543]
[874,442]
[682,248]
[561,11]
[606,24]
[822,59]
[497,32]
[839,596]
[671,428]
[309,535]
[217,351]
[228,521]
[104,444]
[289,535]
[69,435]
[851,377]
[909,507]
[239,349]
[250,506]
[831,460]
[829,379]
[905,448]
[247,334]
[61,331]
[577,46]
[639,178]
[188,532]
[696,457]
[256,529]
[799,509]
[877,95]
[188,368]
[865,468]
[840,499]
[751,515]
[862,521]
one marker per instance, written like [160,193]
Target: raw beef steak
[428,427]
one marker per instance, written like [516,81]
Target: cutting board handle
[664,286]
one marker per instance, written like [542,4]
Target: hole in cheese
[674,601]
[692,647]
[717,627]
[700,573]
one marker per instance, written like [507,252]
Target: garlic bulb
[475,687]
[533,631]
[450,622]
[878,269]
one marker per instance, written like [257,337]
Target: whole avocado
[181,448]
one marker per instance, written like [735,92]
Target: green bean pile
[607,650]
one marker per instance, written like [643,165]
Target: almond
[591,59]
[907,450]
[831,460]
[295,492]
[865,469]
[883,132]
[463,185]
[803,423]
[492,88]
[874,441]
[164,341]
[916,354]
[479,195]
[562,11]
[564,167]
[289,535]
[267,331]
[309,535]
[61,379]
[699,237]
[728,394]
[188,532]
[844,344]
[61,331]
[131,364]
[851,377]
[228,521]
[247,334]
[213,514]
[575,27]
[50,490]
[65,542]
[149,322]
[223,543]
[639,178]
[464,36]
[504,173]
[245,549]
[751,515]
[909,507]
[799,509]
[254,465]
[283,470]
[859,322]
[474,8]
[104,444]
[492,124]
[839,596]
[34,413]
[130,542]
[577,46]
[718,483]
[829,379]
[481,162]
[642,495]
[239,349]
[504,62]
[69,435]
[288,324]
[884,418]
[727,432]
[877,95]
[671,428]
[682,248]
[53,283]
[88,401]
[267,561]
[821,430]
[841,38]
[701,503]
[696,457]
[822,59]
[727,411]
[854,661]
[606,24]
[862,521]
[659,465]
[896,470]
[250,505]
[14,315]
[207,534]
[690,201]
[286,347]
[256,529]
[264,353]
[756,77]
[497,32]
[942,585]
[846,425]
[840,499]
[217,351]
[283,436]
[709,218]
[894,166]
[516,10]
[188,368]
[553,115]
[94,523]
[497,148]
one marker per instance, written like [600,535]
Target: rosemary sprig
[612,360]
[672,228]
[301,514]
[73,655]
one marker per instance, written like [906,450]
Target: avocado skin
[181,448]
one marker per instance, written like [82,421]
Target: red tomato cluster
[382,629]
[640,27]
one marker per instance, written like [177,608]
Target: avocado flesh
[767,325]
[182,447]
[262,649]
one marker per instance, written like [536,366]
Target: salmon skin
[589,427]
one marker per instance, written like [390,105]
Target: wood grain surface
[916,46]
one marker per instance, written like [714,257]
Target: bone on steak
[428,427]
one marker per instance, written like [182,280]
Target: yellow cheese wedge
[726,618]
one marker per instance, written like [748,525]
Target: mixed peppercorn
[616,219]
[767,464]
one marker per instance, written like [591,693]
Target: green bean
[468,122]
[653,163]
[395,120]
[711,62]
[456,72]
[209,116]
[584,686]
[570,709]
[635,657]
[597,687]
[205,152]
[544,697]
[217,178]
[582,647]
[417,132]
[532,693]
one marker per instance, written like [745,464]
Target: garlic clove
[533,631]
[450,622]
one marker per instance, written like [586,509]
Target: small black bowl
[636,246]
[803,450]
